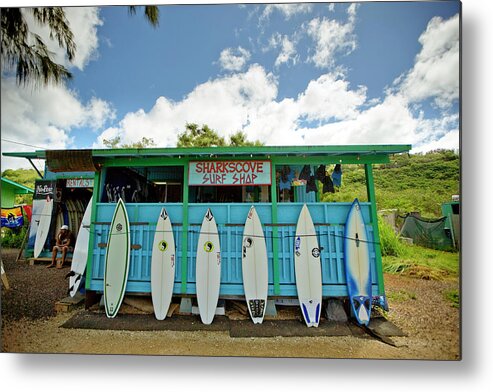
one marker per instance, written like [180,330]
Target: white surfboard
[308,269]
[162,266]
[117,260]
[357,264]
[43,227]
[208,268]
[254,266]
[79,258]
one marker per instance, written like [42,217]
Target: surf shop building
[278,181]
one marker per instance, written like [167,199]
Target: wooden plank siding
[329,221]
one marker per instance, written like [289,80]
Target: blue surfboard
[357,264]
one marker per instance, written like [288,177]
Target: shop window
[306,183]
[160,184]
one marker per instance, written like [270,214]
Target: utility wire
[22,144]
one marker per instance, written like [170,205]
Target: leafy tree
[27,54]
[199,137]
[194,136]
[142,143]
[240,139]
[25,177]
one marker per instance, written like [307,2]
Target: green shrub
[389,241]
[453,297]
[12,238]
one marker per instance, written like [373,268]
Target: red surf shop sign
[229,173]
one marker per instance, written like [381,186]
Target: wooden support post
[24,240]
[5,281]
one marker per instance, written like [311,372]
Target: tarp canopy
[427,233]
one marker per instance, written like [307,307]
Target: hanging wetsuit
[320,173]
[311,185]
[328,186]
[305,173]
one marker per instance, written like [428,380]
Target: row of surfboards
[254,266]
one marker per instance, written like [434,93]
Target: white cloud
[435,73]
[224,104]
[287,10]
[83,21]
[449,141]
[245,101]
[331,37]
[330,97]
[435,133]
[287,52]
[232,59]
[45,118]
[328,111]
[390,122]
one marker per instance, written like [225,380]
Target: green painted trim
[19,188]
[254,150]
[330,159]
[141,161]
[184,233]
[95,198]
[275,233]
[370,189]
[320,153]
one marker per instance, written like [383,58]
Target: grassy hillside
[417,182]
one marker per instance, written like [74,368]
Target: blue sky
[299,73]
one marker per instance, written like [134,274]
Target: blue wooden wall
[329,221]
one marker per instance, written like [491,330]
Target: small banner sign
[217,173]
[44,189]
[80,183]
[12,217]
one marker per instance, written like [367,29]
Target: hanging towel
[337,175]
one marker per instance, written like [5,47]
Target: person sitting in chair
[64,242]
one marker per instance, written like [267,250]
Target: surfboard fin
[71,273]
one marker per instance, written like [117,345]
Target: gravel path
[30,324]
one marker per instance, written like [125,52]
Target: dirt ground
[30,324]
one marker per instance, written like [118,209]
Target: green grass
[423,263]
[414,260]
[452,296]
[401,296]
